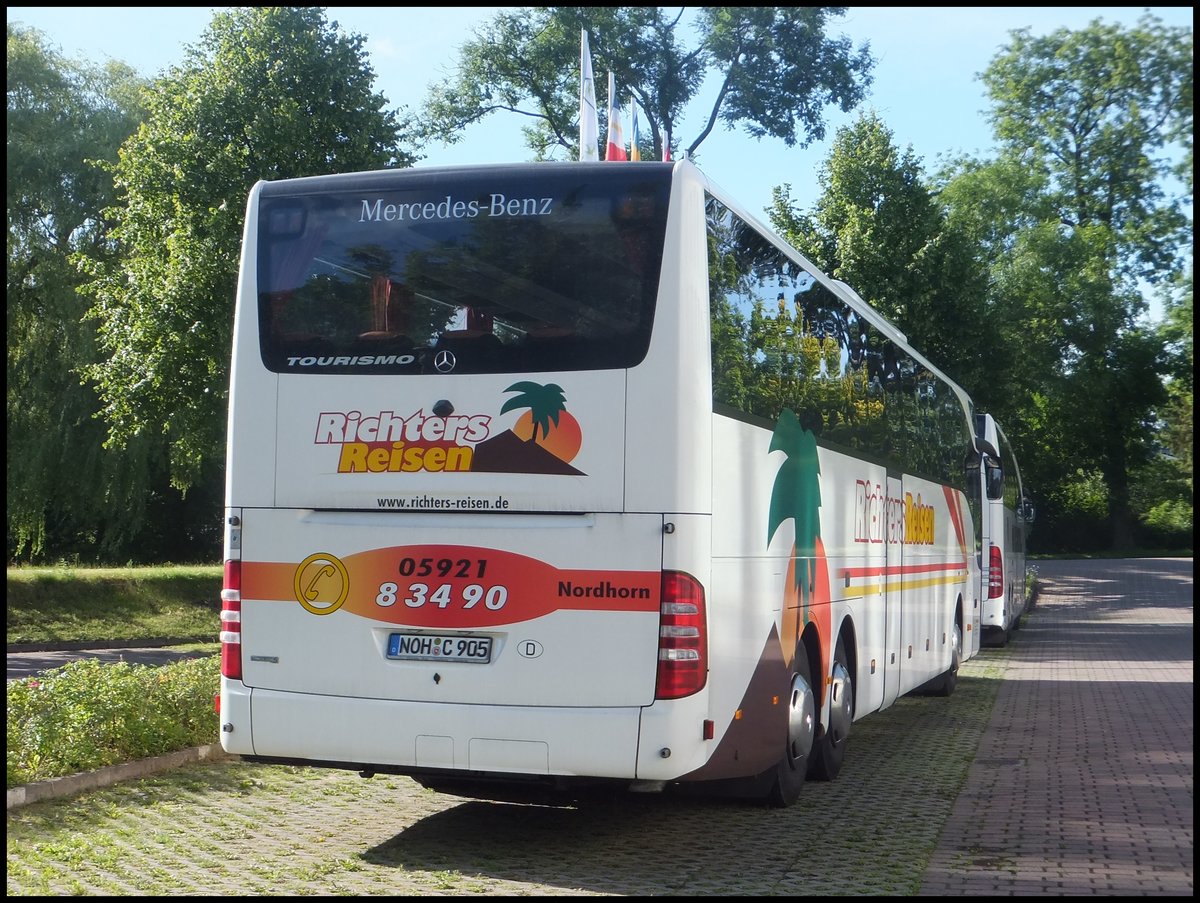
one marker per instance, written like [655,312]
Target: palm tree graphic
[545,404]
[796,495]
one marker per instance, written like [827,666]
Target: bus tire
[949,679]
[792,767]
[830,748]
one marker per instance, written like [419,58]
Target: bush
[90,714]
[1170,523]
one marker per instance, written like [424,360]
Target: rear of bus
[1003,537]
[466,492]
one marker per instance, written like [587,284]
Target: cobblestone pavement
[1083,782]
[1062,765]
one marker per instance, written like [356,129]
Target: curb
[104,777]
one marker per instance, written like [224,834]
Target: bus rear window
[462,271]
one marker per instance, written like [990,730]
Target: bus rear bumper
[412,737]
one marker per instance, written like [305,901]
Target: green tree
[67,495]
[1163,492]
[1093,115]
[777,67]
[998,208]
[269,93]
[879,229]
[1176,330]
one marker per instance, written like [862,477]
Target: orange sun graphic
[563,440]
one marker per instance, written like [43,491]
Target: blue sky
[926,87]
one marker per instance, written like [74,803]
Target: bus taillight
[231,621]
[682,637]
[995,573]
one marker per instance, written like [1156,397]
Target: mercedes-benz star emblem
[444,361]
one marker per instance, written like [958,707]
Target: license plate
[428,647]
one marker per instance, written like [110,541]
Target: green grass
[71,605]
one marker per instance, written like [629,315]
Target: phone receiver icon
[310,592]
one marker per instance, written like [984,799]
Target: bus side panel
[900,606]
[935,574]
[252,394]
[669,445]
[1015,529]
[252,439]
[748,665]
[670,468]
[972,601]
[906,548]
[750,567]
[854,505]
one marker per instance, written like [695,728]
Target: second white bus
[552,477]
[1006,513]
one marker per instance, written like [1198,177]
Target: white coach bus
[556,477]
[1006,513]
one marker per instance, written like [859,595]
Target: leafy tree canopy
[65,492]
[1089,124]
[269,93]
[777,69]
[1177,332]
[880,229]
[1096,110]
[60,113]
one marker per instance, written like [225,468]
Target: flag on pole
[666,148]
[634,154]
[616,139]
[589,115]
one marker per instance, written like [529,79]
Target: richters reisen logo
[390,443]
[543,439]
[879,517]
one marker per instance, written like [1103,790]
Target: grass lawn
[65,604]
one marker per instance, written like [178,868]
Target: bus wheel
[829,751]
[950,678]
[801,728]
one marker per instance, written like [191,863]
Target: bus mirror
[1028,512]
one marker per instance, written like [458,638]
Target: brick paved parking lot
[1083,782]
[1062,765]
